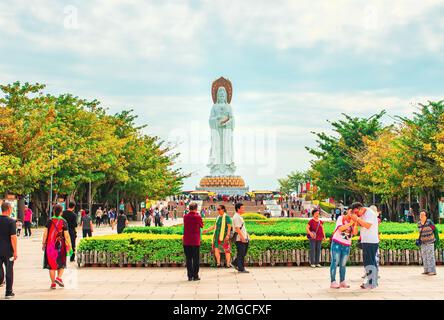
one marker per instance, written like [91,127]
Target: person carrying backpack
[341,241]
[56,246]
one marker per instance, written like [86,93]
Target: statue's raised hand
[224,121]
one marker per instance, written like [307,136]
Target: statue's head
[221,95]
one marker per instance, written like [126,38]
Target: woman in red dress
[56,245]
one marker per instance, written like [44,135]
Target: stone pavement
[32,281]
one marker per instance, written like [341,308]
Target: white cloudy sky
[293,64]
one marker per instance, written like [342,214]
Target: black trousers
[73,236]
[87,232]
[242,248]
[27,226]
[369,251]
[192,256]
[9,270]
[157,221]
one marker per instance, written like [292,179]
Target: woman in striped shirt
[427,243]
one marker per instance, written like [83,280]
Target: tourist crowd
[59,240]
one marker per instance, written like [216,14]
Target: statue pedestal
[226,191]
[225,185]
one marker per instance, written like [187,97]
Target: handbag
[233,234]
[436,233]
[316,232]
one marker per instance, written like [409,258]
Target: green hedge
[158,247]
[254,216]
[280,227]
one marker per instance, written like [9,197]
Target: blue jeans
[339,256]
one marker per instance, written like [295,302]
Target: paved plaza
[32,281]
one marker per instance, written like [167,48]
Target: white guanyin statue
[221,121]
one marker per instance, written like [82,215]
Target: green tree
[422,149]
[382,169]
[336,167]
[292,181]
[26,134]
[76,142]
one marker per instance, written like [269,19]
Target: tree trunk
[398,208]
[20,207]
[134,206]
[432,195]
[40,205]
[393,208]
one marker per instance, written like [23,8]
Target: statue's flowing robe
[221,138]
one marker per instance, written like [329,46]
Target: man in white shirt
[368,220]
[242,238]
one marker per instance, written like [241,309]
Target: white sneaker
[313,266]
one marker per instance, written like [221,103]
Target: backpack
[436,234]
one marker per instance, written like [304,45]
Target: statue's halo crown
[221,82]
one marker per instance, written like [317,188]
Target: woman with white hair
[374,208]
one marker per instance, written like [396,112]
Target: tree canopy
[335,169]
[77,142]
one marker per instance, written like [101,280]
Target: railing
[297,257]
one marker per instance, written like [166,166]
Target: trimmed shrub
[327,206]
[158,247]
[280,227]
[254,216]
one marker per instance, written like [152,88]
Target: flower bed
[162,249]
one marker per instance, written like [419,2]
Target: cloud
[337,25]
[125,29]
[176,30]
